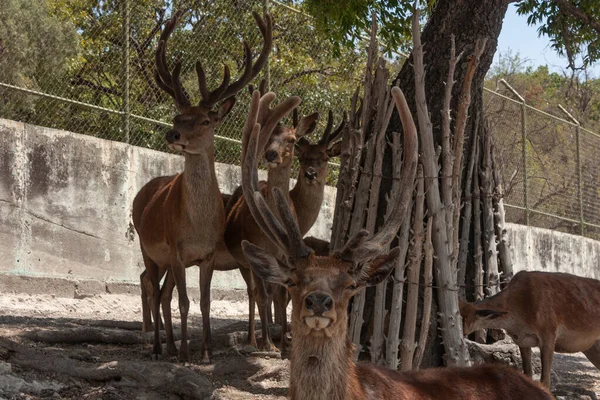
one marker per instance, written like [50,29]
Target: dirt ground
[109,358]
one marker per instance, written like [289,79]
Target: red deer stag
[307,194]
[322,365]
[279,156]
[181,219]
[553,311]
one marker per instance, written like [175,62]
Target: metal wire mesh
[548,167]
[88,67]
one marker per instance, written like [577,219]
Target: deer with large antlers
[279,149]
[322,365]
[307,194]
[181,219]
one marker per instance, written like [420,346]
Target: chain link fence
[103,85]
[88,66]
[549,165]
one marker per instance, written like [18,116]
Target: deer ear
[264,265]
[335,150]
[490,314]
[224,108]
[378,269]
[307,124]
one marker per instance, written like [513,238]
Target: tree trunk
[468,20]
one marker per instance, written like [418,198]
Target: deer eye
[205,123]
[351,287]
[290,283]
[292,140]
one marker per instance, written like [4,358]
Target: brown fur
[180,220]
[553,311]
[322,365]
[168,212]
[241,225]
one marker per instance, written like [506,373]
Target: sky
[517,35]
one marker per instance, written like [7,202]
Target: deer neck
[278,178]
[199,179]
[322,368]
[307,199]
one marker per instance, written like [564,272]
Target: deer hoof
[156,357]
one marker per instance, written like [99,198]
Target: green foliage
[570,34]
[347,21]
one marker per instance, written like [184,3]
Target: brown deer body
[279,156]
[553,311]
[180,219]
[322,365]
[313,159]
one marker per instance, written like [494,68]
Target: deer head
[479,316]
[194,127]
[279,149]
[321,287]
[313,158]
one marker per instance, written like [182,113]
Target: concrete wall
[546,250]
[65,205]
[65,214]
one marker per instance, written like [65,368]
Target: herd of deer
[184,220]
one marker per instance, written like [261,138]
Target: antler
[255,138]
[327,136]
[168,82]
[261,88]
[225,90]
[358,249]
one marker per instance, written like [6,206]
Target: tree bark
[468,20]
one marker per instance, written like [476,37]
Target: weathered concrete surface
[65,216]
[65,207]
[540,249]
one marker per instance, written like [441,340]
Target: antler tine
[339,130]
[250,71]
[250,122]
[374,246]
[261,87]
[168,82]
[328,128]
[264,112]
[295,245]
[250,185]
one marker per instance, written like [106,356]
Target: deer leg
[264,299]
[147,309]
[166,294]
[526,359]
[280,300]
[178,271]
[593,354]
[146,303]
[152,276]
[206,272]
[247,275]
[546,353]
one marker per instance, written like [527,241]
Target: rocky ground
[92,348]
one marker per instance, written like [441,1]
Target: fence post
[579,172]
[125,72]
[524,151]
[267,70]
[579,179]
[523,147]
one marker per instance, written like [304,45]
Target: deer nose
[318,302]
[270,155]
[172,136]
[310,174]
